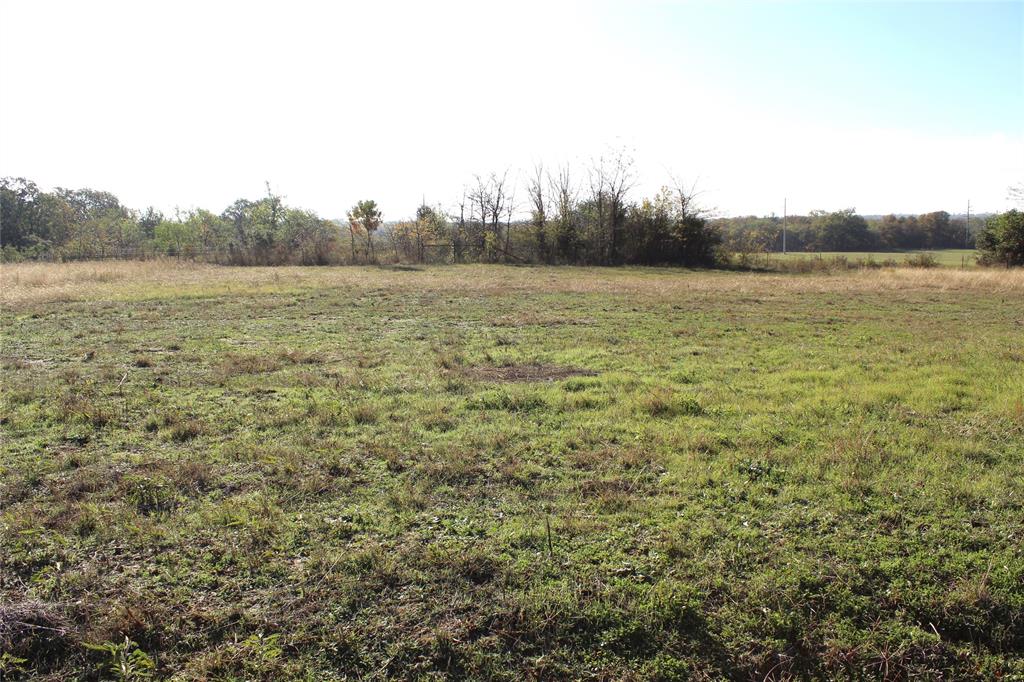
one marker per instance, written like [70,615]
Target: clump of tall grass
[663,402]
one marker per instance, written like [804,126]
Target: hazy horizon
[884,107]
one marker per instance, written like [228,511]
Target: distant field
[945,257]
[510,473]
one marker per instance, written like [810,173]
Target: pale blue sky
[942,67]
[902,107]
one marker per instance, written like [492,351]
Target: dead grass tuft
[234,364]
[33,630]
[298,356]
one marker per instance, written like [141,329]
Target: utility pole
[967,227]
[783,224]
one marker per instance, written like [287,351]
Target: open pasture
[510,473]
[948,258]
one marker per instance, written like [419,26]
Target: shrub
[922,260]
[1002,240]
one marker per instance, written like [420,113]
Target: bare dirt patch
[538,372]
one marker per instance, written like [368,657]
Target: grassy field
[510,473]
[950,258]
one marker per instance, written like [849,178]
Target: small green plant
[125,660]
[11,665]
[150,496]
[264,648]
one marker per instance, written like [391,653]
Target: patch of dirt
[539,372]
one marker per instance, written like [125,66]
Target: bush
[1002,240]
[922,260]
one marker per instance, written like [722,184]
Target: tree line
[560,216]
[565,215]
[846,231]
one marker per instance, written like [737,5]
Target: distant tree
[670,229]
[565,195]
[239,214]
[19,225]
[510,209]
[939,231]
[479,200]
[266,216]
[901,232]
[488,203]
[1001,242]
[496,210]
[422,230]
[366,217]
[401,235]
[611,177]
[538,213]
[354,228]
[55,220]
[89,203]
[434,226]
[695,242]
[148,220]
[177,237]
[307,238]
[840,231]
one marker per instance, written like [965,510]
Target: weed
[125,660]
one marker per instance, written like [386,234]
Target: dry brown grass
[24,284]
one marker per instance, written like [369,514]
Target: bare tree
[497,203]
[611,178]
[686,198]
[481,201]
[488,201]
[565,196]
[510,207]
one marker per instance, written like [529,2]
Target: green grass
[951,258]
[365,473]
